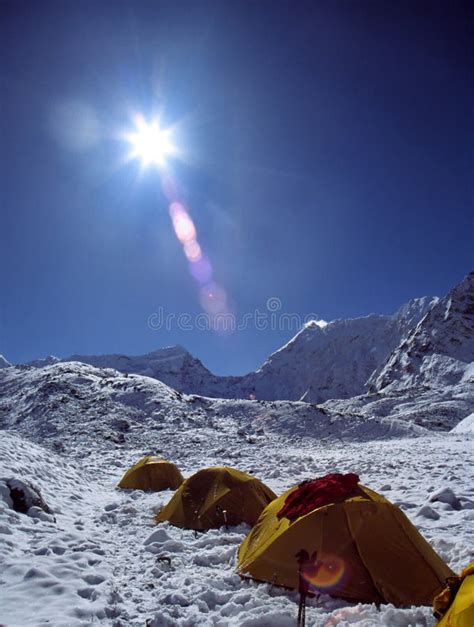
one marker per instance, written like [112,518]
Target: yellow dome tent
[454,606]
[152,474]
[361,548]
[214,497]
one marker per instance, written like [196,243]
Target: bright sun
[150,143]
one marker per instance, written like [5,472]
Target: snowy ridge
[439,351]
[429,378]
[44,404]
[172,365]
[40,363]
[4,363]
[336,360]
[323,361]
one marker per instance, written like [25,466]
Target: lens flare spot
[184,229]
[201,270]
[325,573]
[176,209]
[193,251]
[213,298]
[182,223]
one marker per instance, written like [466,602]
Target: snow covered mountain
[429,378]
[427,342]
[439,351]
[81,404]
[336,360]
[172,365]
[319,363]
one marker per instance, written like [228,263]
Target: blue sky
[328,163]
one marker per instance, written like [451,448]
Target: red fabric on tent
[318,492]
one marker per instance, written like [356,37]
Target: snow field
[105,561]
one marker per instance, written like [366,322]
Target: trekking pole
[301,610]
[303,559]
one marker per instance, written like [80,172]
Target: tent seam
[361,558]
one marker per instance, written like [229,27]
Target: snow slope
[74,402]
[321,362]
[73,430]
[465,426]
[439,408]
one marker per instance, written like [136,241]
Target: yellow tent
[152,474]
[214,497]
[361,548]
[454,606]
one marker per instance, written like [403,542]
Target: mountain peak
[167,352]
[438,350]
[313,324]
[4,363]
[46,361]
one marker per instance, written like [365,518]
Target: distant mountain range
[319,363]
[427,342]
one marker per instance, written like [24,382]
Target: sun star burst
[149,142]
